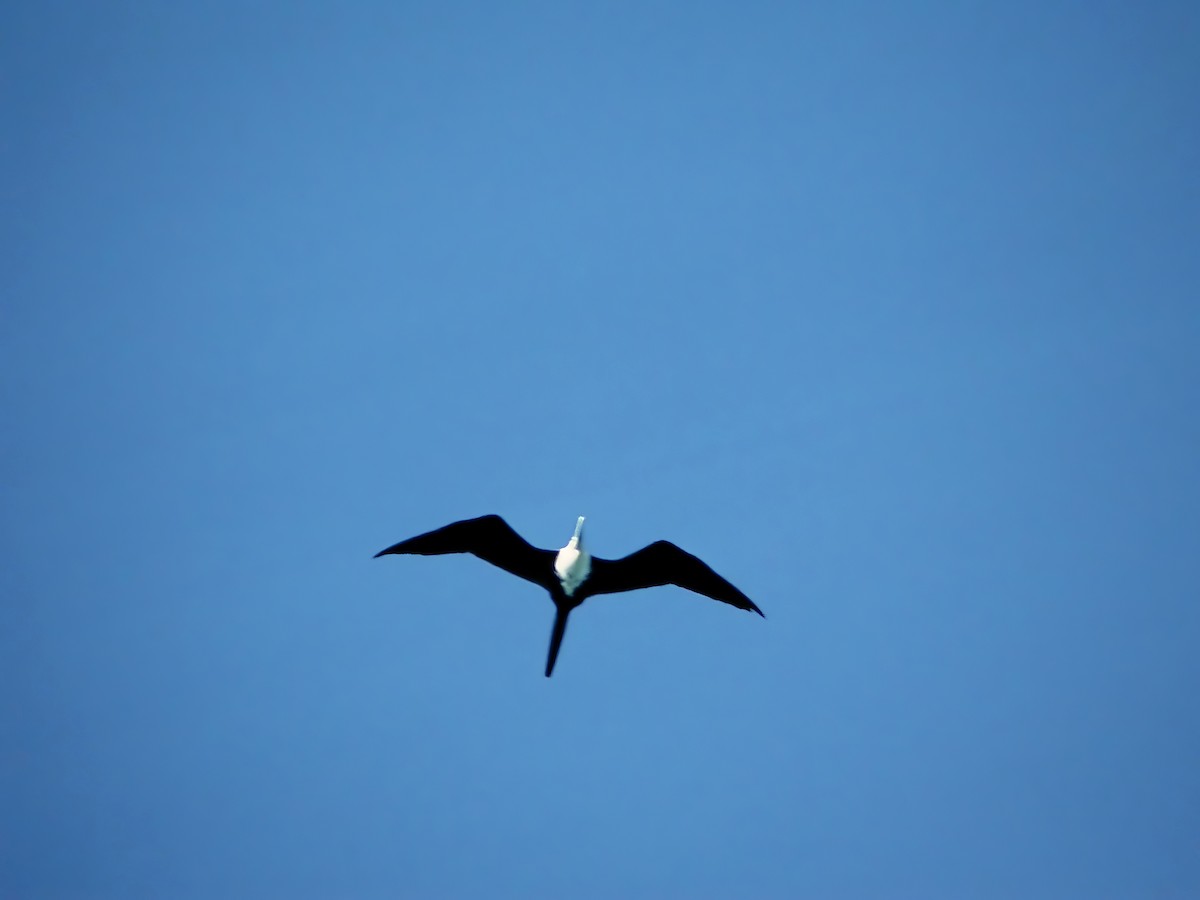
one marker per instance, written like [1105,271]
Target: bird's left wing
[663,563]
[492,540]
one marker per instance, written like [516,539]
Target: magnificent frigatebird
[572,574]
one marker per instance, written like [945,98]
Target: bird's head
[577,538]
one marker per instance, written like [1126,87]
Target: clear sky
[891,312]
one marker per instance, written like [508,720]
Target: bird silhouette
[572,574]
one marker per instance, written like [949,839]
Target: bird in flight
[571,574]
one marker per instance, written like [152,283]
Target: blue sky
[888,311]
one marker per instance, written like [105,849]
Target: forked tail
[556,636]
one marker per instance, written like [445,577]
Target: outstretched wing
[663,563]
[492,540]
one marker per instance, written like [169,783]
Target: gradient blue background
[889,311]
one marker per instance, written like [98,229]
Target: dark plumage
[571,575]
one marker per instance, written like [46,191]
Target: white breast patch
[572,566]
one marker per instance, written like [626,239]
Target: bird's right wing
[492,540]
[663,563]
